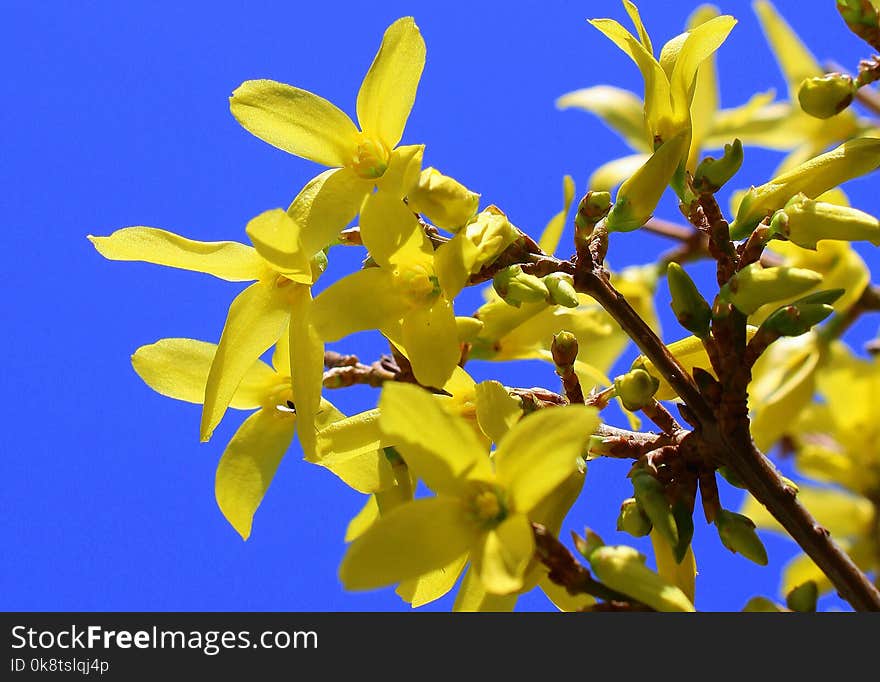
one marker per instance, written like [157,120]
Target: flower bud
[564,349]
[636,388]
[468,328]
[737,533]
[712,174]
[850,160]
[632,519]
[447,202]
[796,319]
[623,570]
[690,308]
[588,544]
[826,96]
[807,222]
[491,233]
[639,195]
[651,496]
[516,287]
[561,288]
[755,285]
[803,598]
[592,208]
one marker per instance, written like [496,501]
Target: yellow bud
[807,222]
[636,388]
[517,287]
[632,519]
[562,291]
[491,232]
[825,96]
[444,200]
[755,285]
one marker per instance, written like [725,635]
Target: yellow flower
[282,273]
[483,505]
[310,127]
[179,368]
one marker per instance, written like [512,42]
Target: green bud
[737,533]
[639,195]
[591,209]
[516,287]
[826,296]
[712,174]
[850,160]
[690,308]
[803,598]
[636,388]
[684,522]
[447,202]
[564,349]
[632,519]
[731,478]
[796,319]
[651,496]
[561,288]
[588,544]
[755,285]
[826,96]
[762,605]
[807,222]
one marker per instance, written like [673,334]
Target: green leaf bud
[591,209]
[737,533]
[632,519]
[561,288]
[712,174]
[807,222]
[755,285]
[826,96]
[636,388]
[564,349]
[796,319]
[651,496]
[690,308]
[803,598]
[517,287]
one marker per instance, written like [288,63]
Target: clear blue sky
[117,115]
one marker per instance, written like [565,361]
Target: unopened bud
[712,174]
[737,533]
[807,222]
[796,319]
[636,388]
[826,96]
[468,328]
[592,208]
[755,285]
[491,233]
[561,288]
[517,287]
[632,519]
[447,202]
[690,308]
[588,544]
[803,598]
[651,496]
[564,349]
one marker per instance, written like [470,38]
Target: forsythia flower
[483,505]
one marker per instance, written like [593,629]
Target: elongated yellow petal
[553,231]
[562,599]
[610,174]
[326,205]
[178,368]
[443,449]
[281,355]
[431,586]
[367,472]
[504,554]
[473,598]
[365,518]
[497,410]
[231,261]
[404,169]
[705,101]
[307,366]
[795,60]
[453,262]
[621,110]
[541,451]
[296,121]
[636,18]
[843,514]
[430,337]
[275,236]
[389,88]
[249,463]
[801,569]
[366,299]
[350,437]
[409,541]
[257,317]
[683,575]
[391,232]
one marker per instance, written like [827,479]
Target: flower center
[372,159]
[487,505]
[418,283]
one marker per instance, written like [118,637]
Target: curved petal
[178,368]
[472,597]
[389,88]
[553,231]
[443,450]
[843,514]
[275,236]
[504,555]
[231,261]
[683,575]
[561,598]
[704,103]
[326,205]
[256,319]
[793,57]
[404,168]
[497,410]
[365,299]
[541,451]
[367,472]
[619,109]
[365,518]
[430,337]
[431,586]
[350,437]
[296,121]
[409,541]
[392,233]
[610,174]
[249,464]
[307,367]
[281,355]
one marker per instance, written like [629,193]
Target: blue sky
[117,115]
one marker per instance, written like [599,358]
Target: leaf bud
[690,308]
[632,519]
[564,349]
[561,288]
[796,319]
[516,287]
[826,96]
[712,174]
[636,388]
[803,598]
[805,222]
[737,533]
[651,496]
[591,209]
[755,285]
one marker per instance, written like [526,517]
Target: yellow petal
[431,340]
[607,176]
[636,18]
[541,451]
[801,569]
[178,368]
[497,410]
[443,449]
[843,514]
[296,121]
[307,366]
[365,299]
[705,102]
[472,597]
[431,586]
[326,205]
[404,169]
[350,437]
[409,541]
[553,231]
[257,317]
[231,261]
[504,554]
[391,232]
[275,236]
[619,109]
[683,575]
[367,472]
[281,355]
[249,463]
[795,60]
[562,599]
[365,518]
[389,88]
